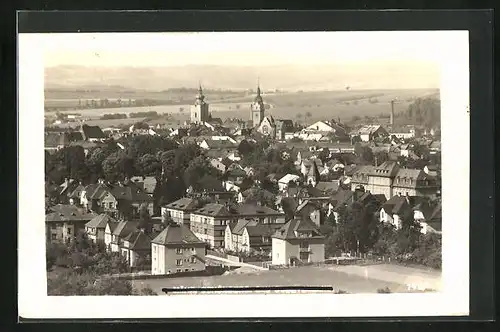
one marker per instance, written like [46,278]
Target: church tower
[199,111]
[257,109]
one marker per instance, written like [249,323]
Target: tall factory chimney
[392,113]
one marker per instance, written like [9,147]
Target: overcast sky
[241,48]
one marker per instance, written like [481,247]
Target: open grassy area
[320,105]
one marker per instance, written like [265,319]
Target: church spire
[200,92]
[258,86]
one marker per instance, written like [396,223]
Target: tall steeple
[200,95]
[199,111]
[257,107]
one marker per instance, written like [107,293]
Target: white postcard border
[33,301]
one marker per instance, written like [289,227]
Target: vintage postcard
[248,173]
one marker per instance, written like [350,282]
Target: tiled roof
[184,204]
[176,234]
[288,231]
[101,221]
[148,183]
[241,224]
[256,191]
[221,210]
[92,132]
[328,187]
[130,192]
[138,240]
[124,228]
[289,177]
[262,229]
[67,213]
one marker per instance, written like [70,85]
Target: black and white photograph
[289,163]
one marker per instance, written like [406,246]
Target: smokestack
[392,113]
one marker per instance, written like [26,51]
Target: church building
[199,111]
[257,109]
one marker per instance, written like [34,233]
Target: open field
[353,279]
[320,105]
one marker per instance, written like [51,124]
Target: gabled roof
[124,228]
[61,212]
[130,192]
[328,187]
[96,190]
[262,230]
[176,234]
[241,224]
[148,183]
[304,204]
[184,204]
[75,193]
[222,210]
[101,221]
[92,132]
[289,230]
[138,240]
[289,177]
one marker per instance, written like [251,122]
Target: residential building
[120,232]
[146,183]
[309,209]
[298,241]
[327,127]
[64,222]
[180,210]
[134,246]
[399,207]
[390,179]
[92,133]
[96,228]
[209,222]
[370,132]
[248,235]
[285,180]
[176,249]
[267,126]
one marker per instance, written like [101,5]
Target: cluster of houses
[288,227]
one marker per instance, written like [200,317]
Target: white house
[283,182]
[115,236]
[249,235]
[176,249]
[298,241]
[96,228]
[135,245]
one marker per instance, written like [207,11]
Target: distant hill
[287,77]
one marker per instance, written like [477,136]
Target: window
[54,236]
[178,262]
[186,270]
[154,249]
[205,231]
[193,260]
[69,231]
[178,250]
[179,270]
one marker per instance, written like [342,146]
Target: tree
[245,148]
[117,166]
[148,164]
[146,144]
[196,170]
[144,219]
